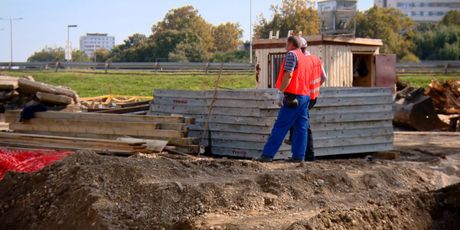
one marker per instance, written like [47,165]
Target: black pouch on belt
[290,100]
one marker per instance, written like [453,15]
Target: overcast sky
[45,21]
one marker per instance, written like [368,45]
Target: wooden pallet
[172,129]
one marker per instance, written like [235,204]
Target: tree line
[185,36]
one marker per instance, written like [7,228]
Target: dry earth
[89,191]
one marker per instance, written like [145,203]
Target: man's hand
[279,98]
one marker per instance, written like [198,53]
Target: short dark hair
[294,40]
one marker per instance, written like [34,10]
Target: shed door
[385,70]
[275,60]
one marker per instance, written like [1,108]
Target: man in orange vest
[293,82]
[315,84]
[318,79]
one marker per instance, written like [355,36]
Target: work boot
[291,160]
[264,159]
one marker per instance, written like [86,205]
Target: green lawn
[89,84]
[425,79]
[141,83]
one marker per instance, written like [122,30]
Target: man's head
[293,43]
[303,44]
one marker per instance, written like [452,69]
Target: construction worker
[315,83]
[293,83]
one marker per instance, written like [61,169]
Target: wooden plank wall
[345,120]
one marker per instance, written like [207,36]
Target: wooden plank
[221,94]
[156,146]
[105,129]
[353,101]
[246,153]
[361,124]
[229,119]
[8,84]
[374,116]
[352,109]
[368,148]
[232,103]
[349,141]
[176,141]
[342,128]
[32,87]
[241,144]
[126,110]
[203,110]
[53,98]
[99,117]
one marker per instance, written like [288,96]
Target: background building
[337,16]
[93,41]
[422,10]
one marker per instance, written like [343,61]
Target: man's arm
[323,75]
[286,80]
[289,66]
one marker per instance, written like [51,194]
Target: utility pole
[68,55]
[250,31]
[11,37]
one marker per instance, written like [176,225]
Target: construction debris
[446,96]
[16,93]
[345,120]
[107,103]
[152,132]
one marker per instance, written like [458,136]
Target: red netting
[28,160]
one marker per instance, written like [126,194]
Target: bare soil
[89,191]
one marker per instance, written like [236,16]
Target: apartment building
[94,41]
[422,10]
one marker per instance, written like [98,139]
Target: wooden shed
[348,61]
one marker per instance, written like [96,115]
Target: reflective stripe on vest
[315,76]
[300,79]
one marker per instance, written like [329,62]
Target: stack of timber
[344,121]
[131,129]
[446,96]
[17,93]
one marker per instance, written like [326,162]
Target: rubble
[446,96]
[19,92]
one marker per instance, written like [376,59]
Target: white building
[93,41]
[422,10]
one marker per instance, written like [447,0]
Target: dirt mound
[101,192]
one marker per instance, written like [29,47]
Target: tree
[47,54]
[439,43]
[79,56]
[451,18]
[186,27]
[297,15]
[102,55]
[227,36]
[136,48]
[390,25]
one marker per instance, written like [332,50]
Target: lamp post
[68,50]
[11,37]
[250,31]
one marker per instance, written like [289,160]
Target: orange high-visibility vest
[299,84]
[315,76]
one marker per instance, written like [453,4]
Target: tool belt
[290,100]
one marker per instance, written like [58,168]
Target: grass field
[425,79]
[89,84]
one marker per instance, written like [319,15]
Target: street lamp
[250,31]
[68,55]
[11,36]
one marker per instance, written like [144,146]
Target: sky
[45,22]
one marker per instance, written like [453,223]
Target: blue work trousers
[288,117]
